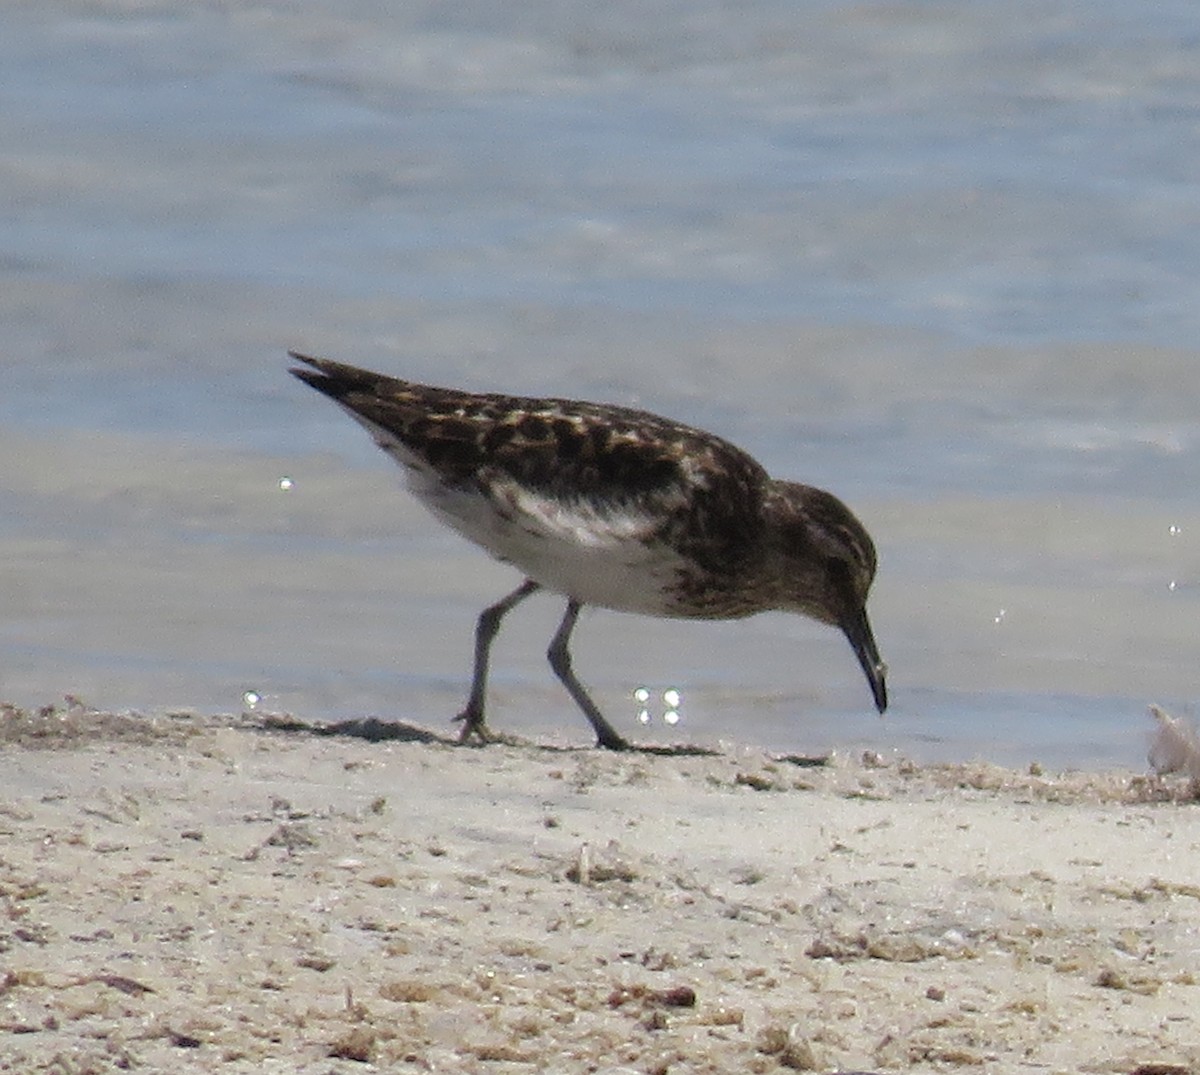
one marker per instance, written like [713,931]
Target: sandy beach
[235,894]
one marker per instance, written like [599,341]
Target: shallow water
[937,258]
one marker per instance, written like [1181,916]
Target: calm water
[938,258]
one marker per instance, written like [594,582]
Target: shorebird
[613,507]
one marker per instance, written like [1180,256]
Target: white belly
[596,553]
[597,556]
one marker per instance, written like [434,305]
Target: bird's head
[824,563]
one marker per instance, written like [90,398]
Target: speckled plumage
[614,507]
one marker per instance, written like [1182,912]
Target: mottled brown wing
[614,457]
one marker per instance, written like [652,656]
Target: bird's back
[580,466]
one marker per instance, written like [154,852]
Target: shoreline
[194,893]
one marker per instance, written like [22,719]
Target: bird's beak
[862,641]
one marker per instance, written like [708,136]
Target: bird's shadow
[374,730]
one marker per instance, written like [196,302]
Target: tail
[337,380]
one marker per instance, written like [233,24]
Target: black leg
[560,661]
[485,630]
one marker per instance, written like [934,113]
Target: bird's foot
[611,741]
[473,727]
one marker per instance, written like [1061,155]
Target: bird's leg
[560,661]
[485,630]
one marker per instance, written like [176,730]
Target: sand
[204,894]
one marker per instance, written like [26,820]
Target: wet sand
[193,893]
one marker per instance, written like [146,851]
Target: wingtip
[308,360]
[315,372]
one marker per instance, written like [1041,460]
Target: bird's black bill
[862,641]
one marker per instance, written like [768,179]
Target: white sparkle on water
[671,699]
[250,699]
[285,483]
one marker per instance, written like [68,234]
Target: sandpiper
[613,507]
